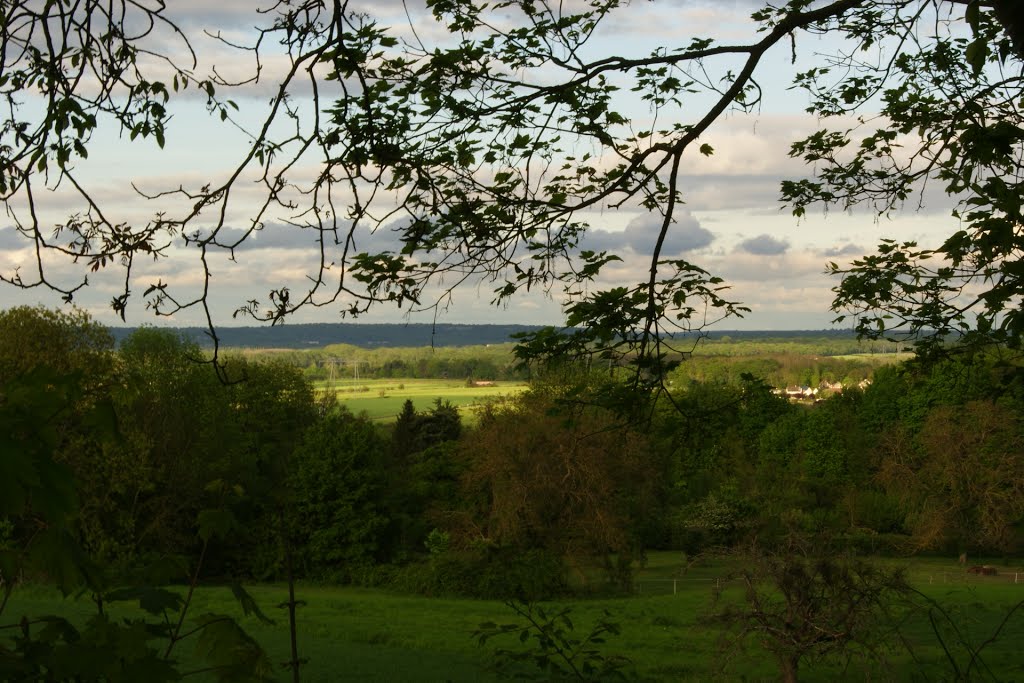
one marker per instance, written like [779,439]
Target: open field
[353,634]
[382,399]
[876,358]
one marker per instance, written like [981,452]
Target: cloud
[641,235]
[844,250]
[12,240]
[272,236]
[763,245]
[679,20]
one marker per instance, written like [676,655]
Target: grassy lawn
[382,399]
[352,634]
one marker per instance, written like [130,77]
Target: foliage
[40,499]
[948,113]
[415,432]
[39,492]
[562,477]
[803,609]
[335,486]
[141,498]
[555,653]
[487,573]
[960,480]
[64,341]
[421,473]
[144,493]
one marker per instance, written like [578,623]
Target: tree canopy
[486,151]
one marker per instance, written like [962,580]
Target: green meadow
[360,634]
[382,399]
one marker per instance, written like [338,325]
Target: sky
[732,223]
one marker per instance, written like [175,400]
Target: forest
[114,486]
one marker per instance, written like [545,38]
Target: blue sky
[732,224]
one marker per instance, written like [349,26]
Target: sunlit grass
[382,399]
[355,634]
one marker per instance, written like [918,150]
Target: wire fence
[964,577]
[676,585]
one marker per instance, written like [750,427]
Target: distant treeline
[363,335]
[804,361]
[345,361]
[782,369]
[810,342]
[370,336]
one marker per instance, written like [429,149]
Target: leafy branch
[555,653]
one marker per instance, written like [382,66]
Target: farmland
[382,399]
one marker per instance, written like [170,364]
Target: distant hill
[316,335]
[365,335]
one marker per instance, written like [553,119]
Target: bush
[501,574]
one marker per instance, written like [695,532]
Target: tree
[956,98]
[804,610]
[335,486]
[42,412]
[76,355]
[421,473]
[484,152]
[962,486]
[557,477]
[143,493]
[66,342]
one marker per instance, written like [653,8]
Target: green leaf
[55,553]
[248,604]
[153,600]
[230,651]
[976,54]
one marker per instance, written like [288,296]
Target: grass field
[876,358]
[351,634]
[382,399]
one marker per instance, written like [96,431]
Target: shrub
[502,574]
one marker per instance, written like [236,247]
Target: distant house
[832,387]
[795,393]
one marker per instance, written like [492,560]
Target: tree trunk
[788,667]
